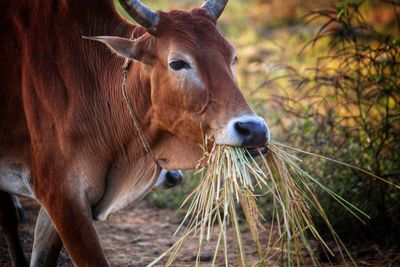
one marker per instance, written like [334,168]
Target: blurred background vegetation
[326,77]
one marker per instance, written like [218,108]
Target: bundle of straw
[231,180]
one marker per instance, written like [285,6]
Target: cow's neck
[102,19]
[131,171]
[96,74]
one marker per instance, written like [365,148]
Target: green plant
[347,107]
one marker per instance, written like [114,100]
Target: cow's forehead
[193,31]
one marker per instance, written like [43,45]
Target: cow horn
[140,13]
[214,7]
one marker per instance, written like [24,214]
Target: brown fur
[63,116]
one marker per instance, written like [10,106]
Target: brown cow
[66,135]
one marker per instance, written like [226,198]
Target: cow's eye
[179,64]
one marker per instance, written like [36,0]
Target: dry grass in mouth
[230,180]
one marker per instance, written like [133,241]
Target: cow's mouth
[257,151]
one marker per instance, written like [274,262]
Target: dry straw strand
[233,178]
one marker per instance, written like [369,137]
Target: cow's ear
[121,46]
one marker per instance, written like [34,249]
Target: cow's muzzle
[245,131]
[252,132]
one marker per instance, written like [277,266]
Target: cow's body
[41,65]
[43,57]
[66,135]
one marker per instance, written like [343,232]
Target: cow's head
[194,91]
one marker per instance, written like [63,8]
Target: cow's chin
[254,151]
[191,160]
[258,151]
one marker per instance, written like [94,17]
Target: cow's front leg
[47,243]
[9,225]
[69,210]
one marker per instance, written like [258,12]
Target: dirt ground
[139,235]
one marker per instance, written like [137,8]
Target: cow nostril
[252,133]
[242,128]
